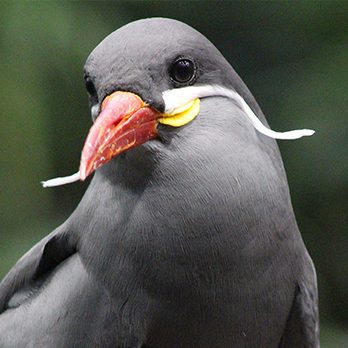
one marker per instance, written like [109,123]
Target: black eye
[92,92]
[182,70]
[90,87]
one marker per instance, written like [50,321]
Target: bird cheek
[155,99]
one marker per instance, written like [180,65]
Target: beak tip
[86,169]
[83,173]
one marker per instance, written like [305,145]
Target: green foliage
[292,55]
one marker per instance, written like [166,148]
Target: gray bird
[186,236]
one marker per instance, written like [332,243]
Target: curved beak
[125,121]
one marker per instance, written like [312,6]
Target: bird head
[138,80]
[148,80]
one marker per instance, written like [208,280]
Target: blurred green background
[292,55]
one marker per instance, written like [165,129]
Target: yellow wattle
[181,115]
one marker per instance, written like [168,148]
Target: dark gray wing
[25,277]
[49,300]
[302,328]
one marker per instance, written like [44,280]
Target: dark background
[292,55]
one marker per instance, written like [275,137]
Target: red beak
[125,121]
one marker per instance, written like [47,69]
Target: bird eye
[91,90]
[182,70]
[90,87]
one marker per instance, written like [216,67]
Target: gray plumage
[189,240]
